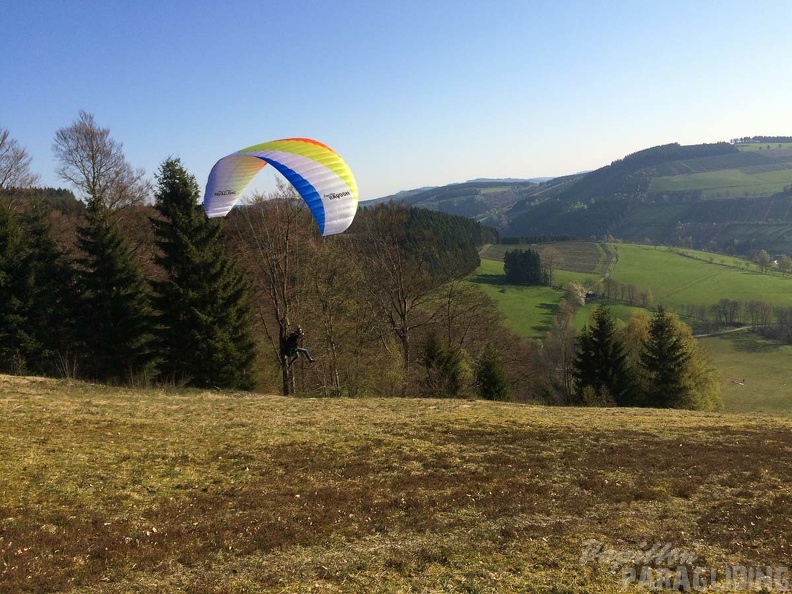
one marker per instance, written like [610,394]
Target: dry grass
[112,490]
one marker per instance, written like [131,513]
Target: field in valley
[754,372]
[117,490]
[582,257]
[529,311]
[675,278]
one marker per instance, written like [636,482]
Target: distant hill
[729,197]
[511,180]
[733,197]
[486,200]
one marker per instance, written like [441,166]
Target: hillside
[488,201]
[725,197]
[728,197]
[112,490]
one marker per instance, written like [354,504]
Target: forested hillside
[722,197]
[733,197]
[368,300]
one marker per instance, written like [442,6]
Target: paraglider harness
[292,346]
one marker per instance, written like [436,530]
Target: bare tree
[785,264]
[350,342]
[763,260]
[558,353]
[398,284]
[270,230]
[551,261]
[14,164]
[95,165]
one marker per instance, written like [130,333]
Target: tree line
[648,362]
[532,239]
[123,289]
[119,290]
[84,308]
[774,321]
[525,267]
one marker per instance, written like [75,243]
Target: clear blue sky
[410,93]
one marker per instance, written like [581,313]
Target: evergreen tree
[491,377]
[701,378]
[114,313]
[524,267]
[601,362]
[14,338]
[663,359]
[33,288]
[443,366]
[203,329]
[51,319]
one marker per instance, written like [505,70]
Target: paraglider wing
[319,175]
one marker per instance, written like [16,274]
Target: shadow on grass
[552,310]
[490,279]
[751,342]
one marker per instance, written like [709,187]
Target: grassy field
[754,372]
[116,491]
[735,182]
[574,256]
[763,146]
[676,280]
[528,311]
[727,183]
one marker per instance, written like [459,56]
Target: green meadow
[754,372]
[763,146]
[675,277]
[529,311]
[725,183]
[676,280]
[735,182]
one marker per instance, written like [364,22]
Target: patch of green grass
[726,183]
[754,372]
[676,280]
[109,491]
[763,146]
[621,312]
[528,311]
[494,190]
[733,183]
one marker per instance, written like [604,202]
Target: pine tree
[35,292]
[524,267]
[14,339]
[664,359]
[491,377]
[601,361]
[114,311]
[443,366]
[203,329]
[52,318]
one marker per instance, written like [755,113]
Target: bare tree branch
[95,165]
[14,164]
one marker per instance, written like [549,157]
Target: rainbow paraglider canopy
[319,175]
